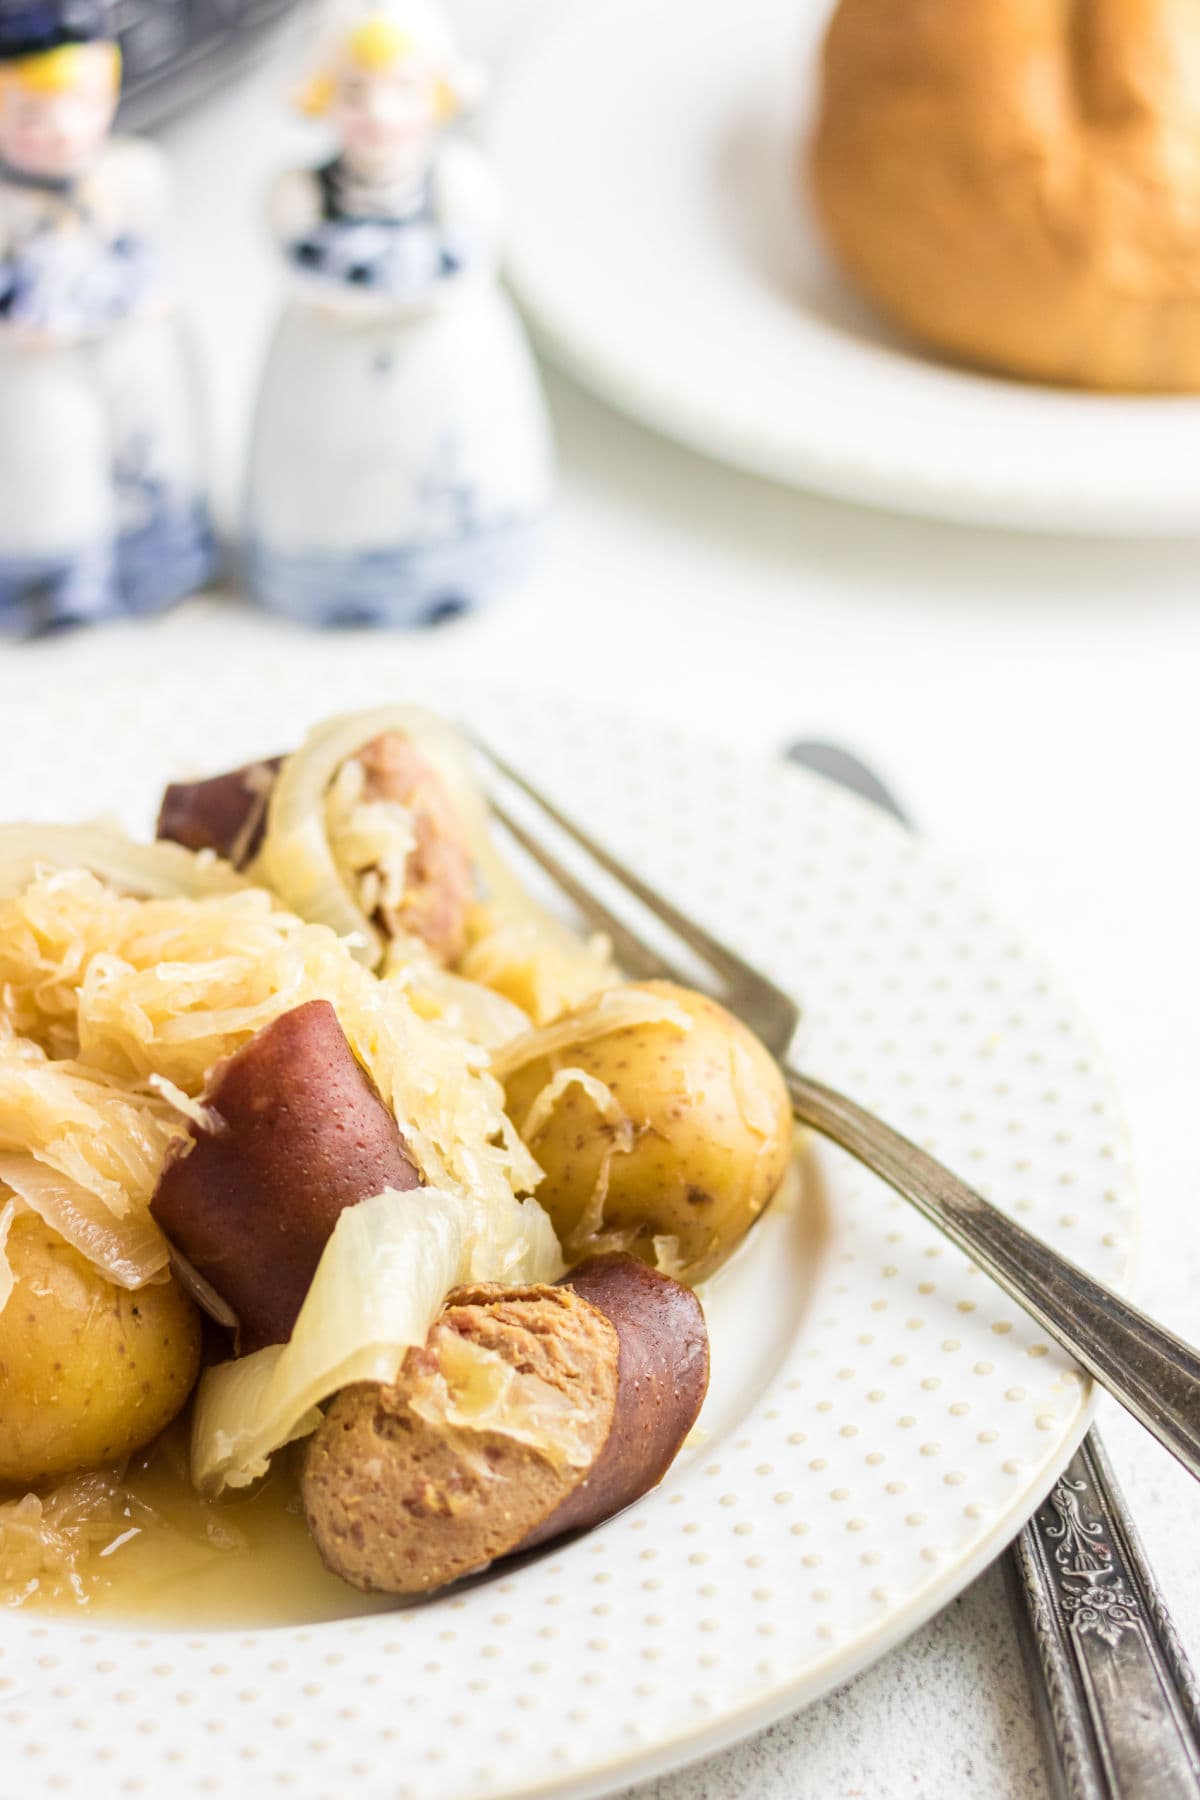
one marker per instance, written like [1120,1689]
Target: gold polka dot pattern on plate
[878,1411]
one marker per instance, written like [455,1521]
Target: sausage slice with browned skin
[401,1499]
[662,1379]
[228,814]
[409,1487]
[439,879]
[298,1134]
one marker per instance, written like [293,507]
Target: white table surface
[1035,701]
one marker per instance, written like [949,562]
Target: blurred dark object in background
[175,51]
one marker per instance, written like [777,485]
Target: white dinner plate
[881,1419]
[662,247]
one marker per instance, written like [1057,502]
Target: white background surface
[1035,701]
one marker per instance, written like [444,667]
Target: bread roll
[1017,182]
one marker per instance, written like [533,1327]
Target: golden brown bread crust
[398,1505]
[1017,182]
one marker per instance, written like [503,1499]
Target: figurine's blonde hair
[56,71]
[374,39]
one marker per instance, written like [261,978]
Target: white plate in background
[881,1421]
[662,247]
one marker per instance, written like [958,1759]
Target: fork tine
[771,1002]
[710,948]
[632,952]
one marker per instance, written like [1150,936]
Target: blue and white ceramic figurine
[102,506]
[401,462]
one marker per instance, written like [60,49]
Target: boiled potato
[707,1141]
[88,1372]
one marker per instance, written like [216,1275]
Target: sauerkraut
[320,839]
[55,1545]
[534,962]
[340,860]
[134,990]
[47,1541]
[83,1151]
[129,973]
[370,842]
[117,1009]
[471,1389]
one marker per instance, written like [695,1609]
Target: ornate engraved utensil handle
[1116,1687]
[1119,1701]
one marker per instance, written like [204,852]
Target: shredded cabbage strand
[8,1213]
[299,858]
[85,1154]
[370,841]
[614,1009]
[473,1390]
[320,838]
[130,1251]
[381,1282]
[475,1012]
[151,992]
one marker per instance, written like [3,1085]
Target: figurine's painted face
[385,115]
[56,109]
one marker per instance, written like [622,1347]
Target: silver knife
[1118,1702]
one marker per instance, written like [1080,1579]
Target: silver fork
[1147,1368]
[1111,1682]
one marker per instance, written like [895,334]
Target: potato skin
[712,1130]
[88,1372]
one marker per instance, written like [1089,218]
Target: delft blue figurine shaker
[401,462]
[102,504]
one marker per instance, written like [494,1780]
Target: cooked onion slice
[379,1286]
[151,871]
[130,1251]
[8,1213]
[516,943]
[298,859]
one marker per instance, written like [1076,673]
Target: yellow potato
[88,1372]
[706,1143]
